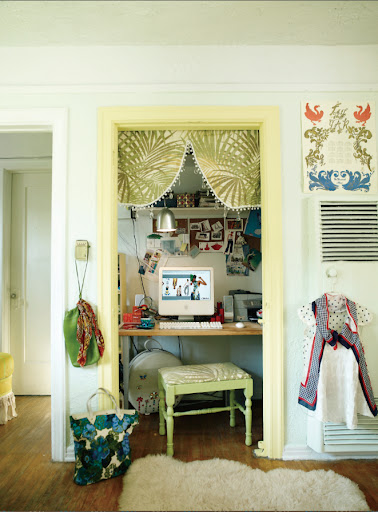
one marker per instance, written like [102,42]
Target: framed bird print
[339,146]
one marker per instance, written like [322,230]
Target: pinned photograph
[217,226]
[195,226]
[205,225]
[217,235]
[205,237]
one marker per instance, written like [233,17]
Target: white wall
[84,79]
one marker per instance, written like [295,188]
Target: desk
[229,329]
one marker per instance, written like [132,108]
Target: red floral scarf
[86,323]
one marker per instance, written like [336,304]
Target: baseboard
[70,454]
[304,452]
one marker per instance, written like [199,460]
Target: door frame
[53,120]
[266,120]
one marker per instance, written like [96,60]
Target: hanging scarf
[349,338]
[86,323]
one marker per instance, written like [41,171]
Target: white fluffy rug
[158,482]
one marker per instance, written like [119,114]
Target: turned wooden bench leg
[161,408]
[170,397]
[248,412]
[232,410]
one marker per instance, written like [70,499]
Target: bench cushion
[202,373]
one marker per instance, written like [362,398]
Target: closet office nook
[190,235]
[208,183]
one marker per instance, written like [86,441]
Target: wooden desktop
[229,329]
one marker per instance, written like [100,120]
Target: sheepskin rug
[158,482]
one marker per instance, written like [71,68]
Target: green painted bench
[203,378]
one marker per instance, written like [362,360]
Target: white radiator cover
[337,438]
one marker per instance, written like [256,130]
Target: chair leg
[248,412]
[161,408]
[170,401]
[232,410]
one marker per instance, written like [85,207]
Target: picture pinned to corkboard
[207,234]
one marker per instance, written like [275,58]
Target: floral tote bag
[101,439]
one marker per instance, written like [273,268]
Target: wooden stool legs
[248,413]
[161,409]
[232,410]
[169,390]
[170,401]
[166,415]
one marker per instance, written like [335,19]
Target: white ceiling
[181,22]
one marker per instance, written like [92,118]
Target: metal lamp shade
[165,221]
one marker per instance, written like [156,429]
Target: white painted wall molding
[25,164]
[70,454]
[55,120]
[212,88]
[304,452]
[211,68]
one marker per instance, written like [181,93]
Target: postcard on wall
[205,225]
[217,226]
[202,236]
[234,224]
[151,263]
[234,265]
[339,146]
[210,247]
[217,235]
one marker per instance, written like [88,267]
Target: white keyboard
[190,325]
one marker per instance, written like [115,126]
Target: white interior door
[30,282]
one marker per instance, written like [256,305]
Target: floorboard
[29,480]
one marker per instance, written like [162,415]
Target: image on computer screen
[186,285]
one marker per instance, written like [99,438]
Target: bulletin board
[207,234]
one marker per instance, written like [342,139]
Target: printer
[246,305]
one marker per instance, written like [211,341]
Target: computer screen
[186,291]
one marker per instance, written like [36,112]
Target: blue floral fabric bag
[101,439]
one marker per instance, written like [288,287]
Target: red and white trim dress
[337,387]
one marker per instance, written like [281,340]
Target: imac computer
[186,291]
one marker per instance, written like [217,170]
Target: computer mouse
[239,325]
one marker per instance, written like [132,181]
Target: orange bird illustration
[364,116]
[314,115]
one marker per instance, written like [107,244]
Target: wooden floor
[30,481]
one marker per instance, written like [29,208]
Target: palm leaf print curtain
[149,163]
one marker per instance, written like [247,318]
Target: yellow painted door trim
[264,118]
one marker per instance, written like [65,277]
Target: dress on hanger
[339,396]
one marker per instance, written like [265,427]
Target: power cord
[136,253]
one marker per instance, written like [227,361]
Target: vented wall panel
[349,230]
[337,438]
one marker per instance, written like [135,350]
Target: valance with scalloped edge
[150,162]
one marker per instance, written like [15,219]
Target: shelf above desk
[229,329]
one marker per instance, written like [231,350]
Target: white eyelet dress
[343,388]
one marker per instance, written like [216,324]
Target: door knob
[13,296]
